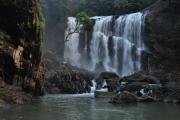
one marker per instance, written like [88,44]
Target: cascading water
[71,47]
[116,45]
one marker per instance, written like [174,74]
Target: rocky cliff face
[163,39]
[21,37]
[65,78]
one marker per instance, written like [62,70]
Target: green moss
[40,25]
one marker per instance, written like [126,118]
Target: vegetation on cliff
[21,36]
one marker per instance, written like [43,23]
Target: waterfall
[71,54]
[116,45]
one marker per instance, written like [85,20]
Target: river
[85,107]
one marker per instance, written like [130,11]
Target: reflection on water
[85,107]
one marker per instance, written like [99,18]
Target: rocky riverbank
[146,85]
[141,87]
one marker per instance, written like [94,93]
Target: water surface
[85,107]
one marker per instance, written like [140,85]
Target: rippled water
[85,107]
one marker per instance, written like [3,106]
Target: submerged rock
[102,94]
[124,97]
[14,95]
[146,99]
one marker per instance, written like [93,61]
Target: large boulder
[111,78]
[112,85]
[141,76]
[172,92]
[108,75]
[124,97]
[135,86]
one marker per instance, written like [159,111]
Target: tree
[81,19]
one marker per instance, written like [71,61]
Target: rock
[2,83]
[112,80]
[135,86]
[53,90]
[108,75]
[65,78]
[162,37]
[21,48]
[124,97]
[22,99]
[3,104]
[146,99]
[172,92]
[101,94]
[112,85]
[141,76]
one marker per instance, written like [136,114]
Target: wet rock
[146,99]
[141,77]
[162,37]
[135,86]
[2,83]
[53,90]
[112,80]
[112,85]
[22,99]
[108,75]
[3,104]
[101,94]
[65,78]
[14,95]
[172,92]
[124,97]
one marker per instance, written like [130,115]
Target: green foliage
[120,3]
[83,18]
[40,23]
[4,37]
